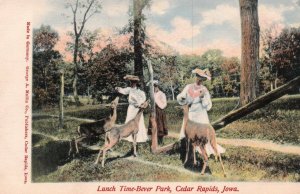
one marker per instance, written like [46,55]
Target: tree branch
[84,17]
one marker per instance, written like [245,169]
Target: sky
[188,26]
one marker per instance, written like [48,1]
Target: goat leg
[71,147]
[187,150]
[222,164]
[104,150]
[77,140]
[103,157]
[134,136]
[217,154]
[194,152]
[220,159]
[205,159]
[99,154]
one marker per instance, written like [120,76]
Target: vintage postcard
[150,96]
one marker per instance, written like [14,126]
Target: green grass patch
[50,164]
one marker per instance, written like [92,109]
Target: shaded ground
[51,164]
[278,122]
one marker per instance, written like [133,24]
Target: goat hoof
[135,155]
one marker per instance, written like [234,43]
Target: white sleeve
[124,91]
[206,101]
[182,97]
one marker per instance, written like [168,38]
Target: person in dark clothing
[161,120]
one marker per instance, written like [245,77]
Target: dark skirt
[161,121]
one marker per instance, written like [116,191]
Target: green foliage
[45,67]
[280,62]
[109,66]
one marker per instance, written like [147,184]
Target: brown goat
[93,130]
[199,134]
[116,133]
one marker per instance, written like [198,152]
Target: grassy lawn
[278,121]
[50,164]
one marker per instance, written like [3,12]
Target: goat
[199,134]
[97,128]
[116,133]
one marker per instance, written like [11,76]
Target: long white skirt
[201,117]
[142,133]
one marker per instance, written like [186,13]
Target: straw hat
[202,73]
[132,78]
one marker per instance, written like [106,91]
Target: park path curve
[255,143]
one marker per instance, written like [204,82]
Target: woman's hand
[202,93]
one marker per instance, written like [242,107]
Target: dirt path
[255,143]
[66,117]
[49,136]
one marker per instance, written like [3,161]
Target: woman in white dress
[135,98]
[198,97]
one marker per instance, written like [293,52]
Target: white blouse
[196,95]
[136,97]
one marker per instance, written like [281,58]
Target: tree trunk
[75,93]
[272,88]
[276,79]
[138,41]
[153,113]
[172,90]
[88,94]
[247,109]
[61,102]
[45,79]
[250,51]
[75,54]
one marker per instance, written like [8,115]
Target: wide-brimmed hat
[202,73]
[132,78]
